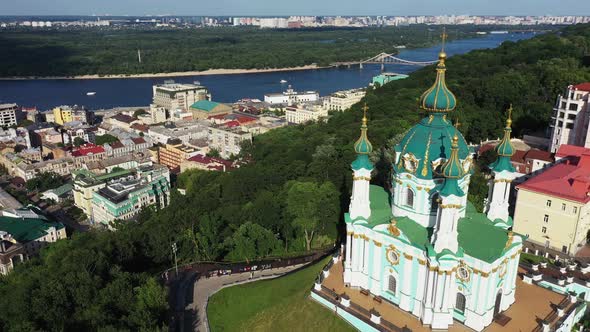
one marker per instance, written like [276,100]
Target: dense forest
[288,199]
[114,51]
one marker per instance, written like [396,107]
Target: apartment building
[227,139]
[569,122]
[175,96]
[9,115]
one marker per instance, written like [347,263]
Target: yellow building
[172,155]
[65,114]
[552,208]
[62,115]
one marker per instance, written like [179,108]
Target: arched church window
[460,302]
[434,203]
[392,284]
[409,197]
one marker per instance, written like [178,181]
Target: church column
[348,249]
[366,256]
[420,285]
[377,268]
[408,276]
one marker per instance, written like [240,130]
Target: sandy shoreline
[174,74]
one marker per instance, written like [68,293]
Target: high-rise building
[571,115]
[177,96]
[9,115]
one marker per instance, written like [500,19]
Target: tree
[252,241]
[311,206]
[105,139]
[214,153]
[45,181]
[79,141]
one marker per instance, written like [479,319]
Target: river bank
[219,71]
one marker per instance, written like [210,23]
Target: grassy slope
[281,304]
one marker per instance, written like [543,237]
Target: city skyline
[304,7]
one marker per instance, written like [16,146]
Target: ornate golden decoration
[451,206]
[349,233]
[509,240]
[410,162]
[427,189]
[419,187]
[393,230]
[425,163]
[408,256]
[503,180]
[430,118]
[421,261]
[366,178]
[463,272]
[377,244]
[404,149]
[392,255]
[356,236]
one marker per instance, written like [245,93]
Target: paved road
[206,287]
[7,201]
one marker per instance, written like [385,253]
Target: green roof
[26,229]
[362,161]
[429,140]
[478,237]
[62,189]
[380,206]
[503,163]
[205,105]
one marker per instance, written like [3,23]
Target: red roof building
[87,149]
[583,86]
[524,161]
[204,162]
[569,180]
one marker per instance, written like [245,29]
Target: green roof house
[203,109]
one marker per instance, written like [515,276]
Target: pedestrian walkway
[206,287]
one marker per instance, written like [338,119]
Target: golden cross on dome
[457,123]
[510,112]
[365,108]
[444,38]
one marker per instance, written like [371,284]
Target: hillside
[298,180]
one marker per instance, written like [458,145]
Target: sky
[293,7]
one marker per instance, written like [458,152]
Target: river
[47,93]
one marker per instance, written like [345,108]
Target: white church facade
[421,245]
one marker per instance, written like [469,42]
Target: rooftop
[569,180]
[26,229]
[205,105]
[87,149]
[123,118]
[487,248]
[583,86]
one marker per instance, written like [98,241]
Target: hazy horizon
[302,7]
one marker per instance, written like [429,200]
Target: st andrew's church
[422,245]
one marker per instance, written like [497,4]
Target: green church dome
[362,145]
[427,142]
[452,169]
[505,149]
[439,98]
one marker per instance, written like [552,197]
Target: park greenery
[105,280]
[115,51]
[273,305]
[105,139]
[45,181]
